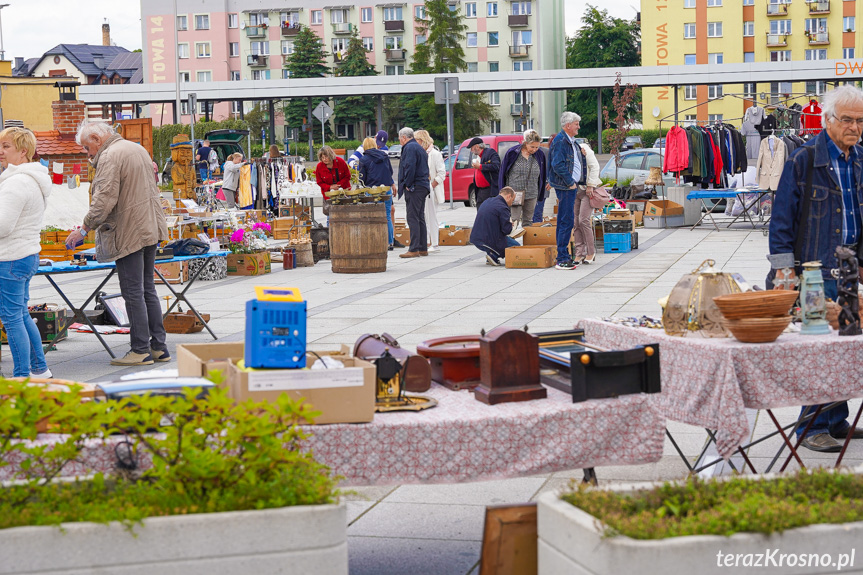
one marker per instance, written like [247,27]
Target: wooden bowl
[757,329]
[756,304]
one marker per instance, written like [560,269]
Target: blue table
[725,194]
[69,268]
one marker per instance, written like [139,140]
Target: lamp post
[177,110]
[2,51]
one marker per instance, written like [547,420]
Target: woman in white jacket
[437,174]
[582,232]
[24,190]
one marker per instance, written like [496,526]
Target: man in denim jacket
[834,219]
[567,171]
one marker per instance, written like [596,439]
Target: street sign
[322,112]
[441,86]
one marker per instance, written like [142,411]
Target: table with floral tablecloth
[709,382]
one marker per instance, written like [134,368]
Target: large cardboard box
[198,359]
[663,208]
[343,395]
[638,217]
[249,264]
[540,236]
[530,257]
[173,272]
[454,236]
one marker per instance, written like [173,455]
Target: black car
[631,143]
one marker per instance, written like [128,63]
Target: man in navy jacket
[493,225]
[415,186]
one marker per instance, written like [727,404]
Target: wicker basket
[757,329]
[756,304]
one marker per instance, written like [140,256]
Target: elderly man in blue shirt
[568,171]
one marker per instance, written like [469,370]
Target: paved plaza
[437,529]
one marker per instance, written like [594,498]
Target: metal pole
[272,110]
[449,138]
[380,110]
[598,121]
[309,124]
[177,113]
[2,51]
[675,108]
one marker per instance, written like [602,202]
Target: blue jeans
[205,174]
[493,253]
[565,221]
[832,421]
[537,212]
[25,343]
[388,205]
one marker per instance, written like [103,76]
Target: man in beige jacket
[126,213]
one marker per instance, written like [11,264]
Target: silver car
[636,162]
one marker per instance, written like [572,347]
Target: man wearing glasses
[832,218]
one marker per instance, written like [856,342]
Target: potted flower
[248,245]
[221,484]
[811,518]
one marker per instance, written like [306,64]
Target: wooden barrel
[304,254]
[358,238]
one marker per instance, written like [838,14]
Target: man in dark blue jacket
[567,172]
[415,186]
[493,225]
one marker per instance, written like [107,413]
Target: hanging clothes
[771,160]
[676,150]
[768,126]
[812,118]
[697,165]
[755,115]
[753,140]
[796,111]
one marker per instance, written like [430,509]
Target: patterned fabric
[216,268]
[524,176]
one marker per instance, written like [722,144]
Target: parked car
[445,151]
[659,143]
[395,151]
[631,143]
[225,142]
[634,163]
[462,184]
[581,141]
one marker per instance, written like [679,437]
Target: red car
[462,174]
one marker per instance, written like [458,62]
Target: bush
[209,455]
[647,136]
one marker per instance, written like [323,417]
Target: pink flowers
[261,226]
[238,235]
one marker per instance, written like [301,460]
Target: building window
[749,90]
[472,67]
[491,9]
[203,76]
[712,3]
[185,77]
[780,56]
[366,15]
[256,19]
[393,42]
[689,59]
[233,49]
[235,76]
[493,39]
[470,9]
[420,12]
[714,29]
[749,28]
[471,39]
[202,21]
[494,66]
[848,53]
[715,58]
[848,24]
[183,50]
[815,25]
[285,73]
[395,70]
[369,43]
[419,39]
[182,23]
[714,92]
[494,127]
[317,17]
[289,19]
[260,74]
[206,106]
[689,3]
[816,54]
[260,48]
[714,118]
[690,119]
[749,2]
[689,30]
[202,49]
[522,38]
[521,8]
[393,14]
[340,45]
[780,26]
[816,88]
[233,21]
[184,108]
[523,66]
[748,56]
[494,98]
[690,92]
[287,47]
[338,16]
[235,107]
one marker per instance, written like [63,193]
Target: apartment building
[225,40]
[681,32]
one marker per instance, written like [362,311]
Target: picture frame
[115,307]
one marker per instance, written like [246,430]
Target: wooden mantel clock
[509,367]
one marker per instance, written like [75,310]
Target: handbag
[598,197]
[519,198]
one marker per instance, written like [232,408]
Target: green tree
[601,42]
[309,60]
[355,109]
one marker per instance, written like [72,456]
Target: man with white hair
[817,209]
[414,185]
[567,174]
[126,212]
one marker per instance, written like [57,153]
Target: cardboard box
[530,257]
[639,218]
[198,359]
[540,236]
[402,233]
[344,395]
[173,272]
[249,264]
[454,236]
[618,214]
[663,208]
[49,323]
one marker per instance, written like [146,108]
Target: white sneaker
[431,249]
[491,261]
[44,375]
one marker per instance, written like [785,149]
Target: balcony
[517,20]
[342,28]
[289,29]
[518,51]
[776,40]
[516,109]
[394,26]
[394,54]
[819,7]
[256,31]
[818,38]
[257,60]
[777,9]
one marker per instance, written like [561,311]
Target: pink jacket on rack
[676,150]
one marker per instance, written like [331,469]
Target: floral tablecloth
[709,381]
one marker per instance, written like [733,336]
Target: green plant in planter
[725,507]
[185,455]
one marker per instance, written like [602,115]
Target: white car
[395,151]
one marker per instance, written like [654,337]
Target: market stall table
[726,194]
[708,382]
[68,268]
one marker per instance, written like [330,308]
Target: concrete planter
[291,540]
[570,543]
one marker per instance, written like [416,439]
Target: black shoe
[822,442]
[398,244]
[390,248]
[856,433]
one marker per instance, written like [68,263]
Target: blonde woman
[585,244]
[437,174]
[375,169]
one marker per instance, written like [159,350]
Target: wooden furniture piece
[454,360]
[509,367]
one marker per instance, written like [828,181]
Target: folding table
[726,194]
[67,268]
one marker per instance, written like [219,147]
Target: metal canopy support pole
[177,114]
[449,137]
[380,113]
[176,107]
[242,110]
[271,108]
[309,124]
[598,120]
[676,119]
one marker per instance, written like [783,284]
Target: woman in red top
[332,173]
